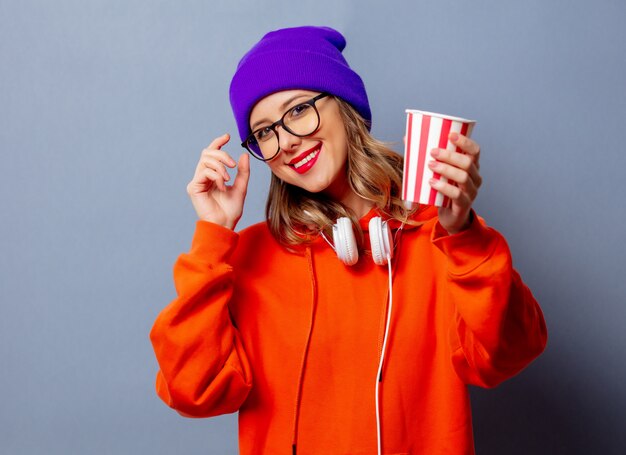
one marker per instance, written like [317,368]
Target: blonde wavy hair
[374,171]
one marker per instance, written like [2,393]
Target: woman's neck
[343,193]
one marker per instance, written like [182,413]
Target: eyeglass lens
[301,120]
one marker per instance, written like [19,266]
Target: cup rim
[444,116]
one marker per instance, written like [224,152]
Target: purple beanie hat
[306,58]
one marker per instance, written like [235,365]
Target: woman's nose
[287,141]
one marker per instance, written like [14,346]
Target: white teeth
[306,159]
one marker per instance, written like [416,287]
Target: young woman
[346,323]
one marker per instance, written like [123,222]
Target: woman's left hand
[461,168]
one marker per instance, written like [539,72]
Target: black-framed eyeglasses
[301,120]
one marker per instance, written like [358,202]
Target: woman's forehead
[274,105]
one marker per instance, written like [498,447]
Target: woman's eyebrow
[282,106]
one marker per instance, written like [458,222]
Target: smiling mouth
[306,158]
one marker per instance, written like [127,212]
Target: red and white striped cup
[424,132]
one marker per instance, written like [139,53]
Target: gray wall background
[105,107]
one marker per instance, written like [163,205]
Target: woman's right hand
[213,200]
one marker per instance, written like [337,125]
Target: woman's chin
[310,186]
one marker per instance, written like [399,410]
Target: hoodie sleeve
[498,327]
[203,367]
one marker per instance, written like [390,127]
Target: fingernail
[433,164]
[435,152]
[454,137]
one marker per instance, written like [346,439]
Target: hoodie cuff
[212,242]
[467,249]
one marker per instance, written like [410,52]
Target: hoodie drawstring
[309,256]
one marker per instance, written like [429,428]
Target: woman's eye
[263,133]
[299,110]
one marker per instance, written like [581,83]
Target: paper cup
[424,132]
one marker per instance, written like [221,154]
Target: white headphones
[345,243]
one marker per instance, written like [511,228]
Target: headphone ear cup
[345,242]
[381,241]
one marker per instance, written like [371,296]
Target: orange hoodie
[292,340]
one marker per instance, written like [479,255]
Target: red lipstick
[305,161]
